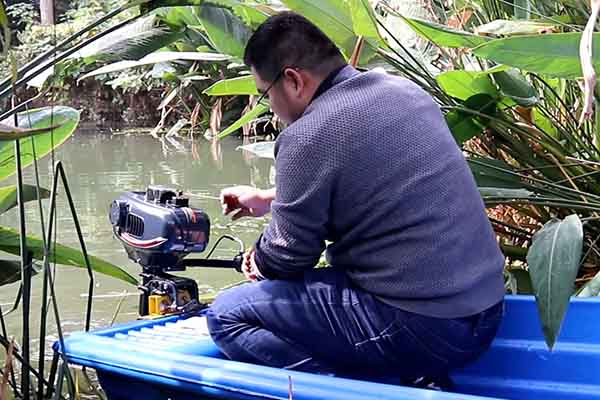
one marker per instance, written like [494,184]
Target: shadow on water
[99,168]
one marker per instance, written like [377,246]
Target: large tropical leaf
[364,21]
[65,118]
[256,112]
[8,132]
[553,260]
[462,126]
[184,13]
[8,196]
[158,57]
[555,55]
[334,18]
[132,42]
[444,36]
[244,85]
[464,84]
[10,243]
[503,27]
[226,31]
[514,86]
[469,120]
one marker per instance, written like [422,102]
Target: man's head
[289,57]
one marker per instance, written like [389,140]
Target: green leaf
[592,288]
[501,27]
[462,126]
[10,133]
[3,16]
[8,196]
[553,260]
[514,86]
[464,84]
[227,32]
[10,271]
[244,85]
[489,172]
[444,36]
[546,124]
[332,17]
[67,120]
[158,57]
[131,42]
[10,243]
[364,21]
[555,55]
[256,112]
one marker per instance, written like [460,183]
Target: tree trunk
[47,12]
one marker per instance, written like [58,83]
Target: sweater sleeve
[295,237]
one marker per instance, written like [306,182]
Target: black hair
[290,40]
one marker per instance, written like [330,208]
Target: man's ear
[295,78]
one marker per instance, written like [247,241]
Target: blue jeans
[322,323]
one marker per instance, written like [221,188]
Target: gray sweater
[372,167]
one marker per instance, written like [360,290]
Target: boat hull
[172,358]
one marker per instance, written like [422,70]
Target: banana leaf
[65,118]
[364,21]
[9,242]
[243,85]
[444,36]
[226,31]
[132,42]
[8,196]
[155,58]
[335,19]
[8,132]
[501,27]
[464,84]
[553,55]
[514,86]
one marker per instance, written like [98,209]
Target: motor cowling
[158,228]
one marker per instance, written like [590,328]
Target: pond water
[99,168]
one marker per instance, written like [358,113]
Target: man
[367,162]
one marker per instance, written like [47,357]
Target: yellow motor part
[157,304]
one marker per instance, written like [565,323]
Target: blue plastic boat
[171,358]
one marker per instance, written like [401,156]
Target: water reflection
[99,167]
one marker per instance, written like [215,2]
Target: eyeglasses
[277,77]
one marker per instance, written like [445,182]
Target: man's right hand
[246,201]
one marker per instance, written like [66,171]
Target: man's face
[286,93]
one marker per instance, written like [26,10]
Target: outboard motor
[158,228]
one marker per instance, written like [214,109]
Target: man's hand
[249,267]
[246,201]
